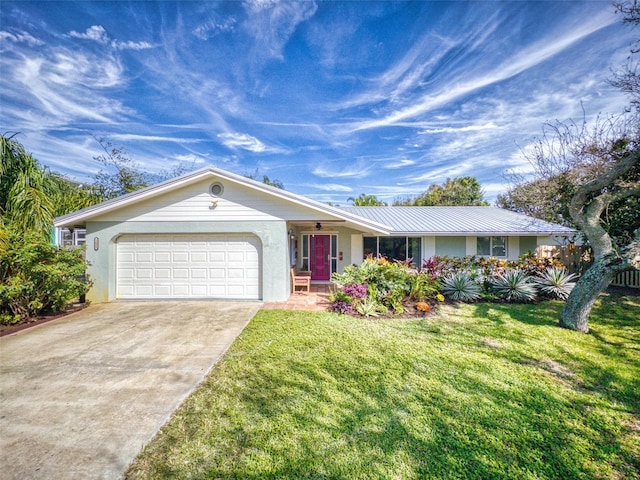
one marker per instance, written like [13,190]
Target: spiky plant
[459,287]
[556,282]
[515,286]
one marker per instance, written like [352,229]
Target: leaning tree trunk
[595,280]
[586,207]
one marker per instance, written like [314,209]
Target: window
[72,237]
[492,246]
[394,248]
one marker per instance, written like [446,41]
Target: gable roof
[458,221]
[81,216]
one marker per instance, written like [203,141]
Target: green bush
[424,286]
[555,282]
[37,277]
[460,287]
[515,286]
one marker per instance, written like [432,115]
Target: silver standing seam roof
[452,221]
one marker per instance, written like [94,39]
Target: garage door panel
[188,266]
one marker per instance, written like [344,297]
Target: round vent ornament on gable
[216,189]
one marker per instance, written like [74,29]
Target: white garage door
[188,266]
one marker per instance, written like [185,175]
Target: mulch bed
[32,322]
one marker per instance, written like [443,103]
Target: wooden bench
[300,280]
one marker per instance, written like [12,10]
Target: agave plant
[515,286]
[460,287]
[556,282]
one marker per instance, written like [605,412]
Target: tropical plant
[514,286]
[424,286]
[36,276]
[459,287]
[370,308]
[555,282]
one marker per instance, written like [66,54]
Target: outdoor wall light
[318,226]
[213,205]
[96,243]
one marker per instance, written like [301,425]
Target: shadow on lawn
[467,427]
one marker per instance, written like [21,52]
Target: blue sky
[333,99]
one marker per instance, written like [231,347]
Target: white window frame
[70,238]
[491,246]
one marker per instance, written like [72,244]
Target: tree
[590,172]
[461,191]
[122,175]
[628,78]
[265,179]
[25,192]
[364,200]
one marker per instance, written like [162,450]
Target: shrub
[424,286]
[514,286]
[357,291]
[458,286]
[370,308]
[36,277]
[387,283]
[555,282]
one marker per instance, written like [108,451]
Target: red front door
[320,257]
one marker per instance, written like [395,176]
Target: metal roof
[458,221]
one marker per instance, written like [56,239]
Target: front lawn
[480,391]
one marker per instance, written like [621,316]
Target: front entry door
[320,257]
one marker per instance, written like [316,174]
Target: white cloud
[330,187]
[271,23]
[128,137]
[468,128]
[242,141]
[20,37]
[400,163]
[215,26]
[516,64]
[358,168]
[97,33]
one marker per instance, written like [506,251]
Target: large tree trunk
[594,281]
[586,208]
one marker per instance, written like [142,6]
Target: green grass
[482,391]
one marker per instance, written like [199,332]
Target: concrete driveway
[80,396]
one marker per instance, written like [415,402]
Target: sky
[333,99]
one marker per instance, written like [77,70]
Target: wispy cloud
[128,137]
[272,22]
[331,187]
[97,33]
[64,85]
[215,26]
[359,168]
[244,141]
[523,60]
[20,37]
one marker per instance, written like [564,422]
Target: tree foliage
[627,78]
[121,174]
[460,191]
[265,179]
[588,177]
[31,195]
[364,200]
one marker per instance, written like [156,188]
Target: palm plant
[556,282]
[515,286]
[460,287]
